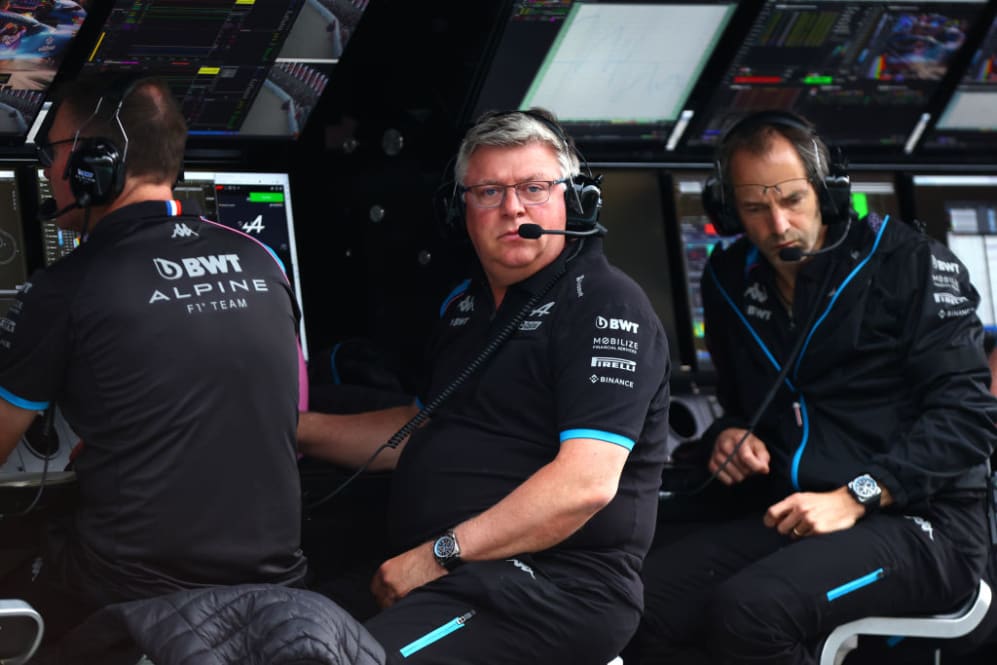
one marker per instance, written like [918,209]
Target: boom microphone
[47,209]
[534,231]
[791,254]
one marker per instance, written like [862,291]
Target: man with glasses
[521,512]
[857,421]
[169,343]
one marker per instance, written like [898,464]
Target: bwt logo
[616,324]
[198,266]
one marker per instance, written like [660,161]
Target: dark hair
[754,134]
[149,116]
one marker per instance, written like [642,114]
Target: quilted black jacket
[252,624]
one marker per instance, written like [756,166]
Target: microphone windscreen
[531,231]
[47,209]
[790,254]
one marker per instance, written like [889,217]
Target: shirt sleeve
[948,374]
[34,343]
[611,359]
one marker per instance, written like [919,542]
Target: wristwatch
[866,491]
[446,550]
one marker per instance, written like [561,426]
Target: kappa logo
[198,266]
[466,305]
[522,566]
[181,230]
[616,324]
[756,293]
[543,310]
[924,524]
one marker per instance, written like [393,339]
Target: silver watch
[446,550]
[866,491]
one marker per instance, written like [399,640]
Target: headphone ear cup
[95,172]
[721,213]
[453,219]
[836,199]
[582,202]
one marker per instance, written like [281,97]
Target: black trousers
[739,592]
[496,612]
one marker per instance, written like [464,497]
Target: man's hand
[399,575]
[811,513]
[752,457]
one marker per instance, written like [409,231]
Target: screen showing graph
[863,72]
[605,69]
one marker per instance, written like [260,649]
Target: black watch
[866,491]
[446,550]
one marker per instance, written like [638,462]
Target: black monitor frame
[899,125]
[517,49]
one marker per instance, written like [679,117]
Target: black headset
[96,167]
[582,195]
[833,193]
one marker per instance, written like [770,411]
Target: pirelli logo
[604,362]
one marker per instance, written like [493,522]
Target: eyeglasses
[45,153]
[777,187]
[530,193]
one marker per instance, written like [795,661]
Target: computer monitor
[239,69]
[633,213]
[13,261]
[614,73]
[863,71]
[56,242]
[961,210]
[696,239]
[34,38]
[969,121]
[875,192]
[256,203]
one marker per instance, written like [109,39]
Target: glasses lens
[533,193]
[487,196]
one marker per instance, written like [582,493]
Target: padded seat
[844,638]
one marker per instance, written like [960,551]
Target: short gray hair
[518,128]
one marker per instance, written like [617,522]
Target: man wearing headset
[867,456]
[522,510]
[168,341]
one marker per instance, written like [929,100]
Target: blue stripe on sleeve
[21,402]
[598,435]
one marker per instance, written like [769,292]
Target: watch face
[865,487]
[444,547]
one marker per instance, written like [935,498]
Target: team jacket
[891,378]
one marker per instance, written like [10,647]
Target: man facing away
[169,343]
